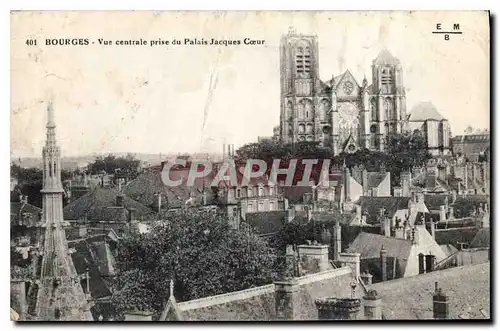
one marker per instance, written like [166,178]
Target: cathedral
[339,112]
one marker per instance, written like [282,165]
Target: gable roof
[369,246]
[482,239]
[24,214]
[435,201]
[468,290]
[372,206]
[100,204]
[454,236]
[424,111]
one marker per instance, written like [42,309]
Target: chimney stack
[287,300]
[337,241]
[119,200]
[383,263]
[387,226]
[373,305]
[440,304]
[367,278]
[433,229]
[351,260]
[315,257]
[364,174]
[338,309]
[421,263]
[442,213]
[451,213]
[406,183]
[347,184]
[430,260]
[358,212]
[290,214]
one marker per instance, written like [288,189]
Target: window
[373,128]
[271,205]
[309,128]
[250,207]
[389,109]
[373,110]
[301,110]
[271,190]
[308,108]
[249,192]
[261,191]
[238,193]
[261,206]
[301,128]
[303,59]
[387,80]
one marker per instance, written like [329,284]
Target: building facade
[339,112]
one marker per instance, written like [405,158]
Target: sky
[146,99]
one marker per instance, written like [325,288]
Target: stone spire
[60,295]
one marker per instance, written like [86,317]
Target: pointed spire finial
[171,287]
[50,115]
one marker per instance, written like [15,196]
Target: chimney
[358,212]
[406,183]
[338,309]
[440,306]
[451,213]
[387,226]
[287,300]
[367,278]
[433,229]
[315,256]
[414,235]
[421,263]
[138,316]
[119,200]
[373,305]
[364,174]
[82,230]
[351,260]
[337,241]
[429,262]
[453,196]
[131,215]
[442,213]
[290,214]
[383,263]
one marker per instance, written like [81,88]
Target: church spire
[59,293]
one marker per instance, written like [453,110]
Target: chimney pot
[373,305]
[338,309]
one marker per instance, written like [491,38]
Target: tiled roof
[369,246]
[468,290]
[24,214]
[372,205]
[295,194]
[424,111]
[456,235]
[448,249]
[100,204]
[434,201]
[482,238]
[266,222]
[258,304]
[85,257]
[375,178]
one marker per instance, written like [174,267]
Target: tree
[199,251]
[111,164]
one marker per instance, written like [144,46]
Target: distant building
[425,119]
[474,145]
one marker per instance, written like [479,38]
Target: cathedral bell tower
[388,100]
[60,295]
[299,87]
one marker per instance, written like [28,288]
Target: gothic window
[238,193]
[261,191]
[301,110]
[387,80]
[249,193]
[303,59]
[373,129]
[389,109]
[261,206]
[373,110]
[250,207]
[301,128]
[308,109]
[288,110]
[50,168]
[323,109]
[309,128]
[386,128]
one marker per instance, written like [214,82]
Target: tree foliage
[199,251]
[111,164]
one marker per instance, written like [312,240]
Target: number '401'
[31,42]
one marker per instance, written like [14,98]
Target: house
[360,182]
[403,248]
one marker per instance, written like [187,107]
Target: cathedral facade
[339,113]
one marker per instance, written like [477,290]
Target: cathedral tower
[60,295]
[300,87]
[388,100]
